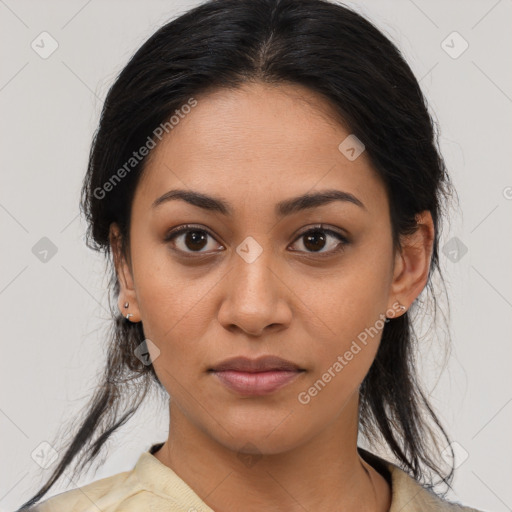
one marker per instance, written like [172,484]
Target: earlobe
[413,261]
[127,300]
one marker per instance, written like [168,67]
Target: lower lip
[257,383]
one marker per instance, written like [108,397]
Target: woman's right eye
[189,239]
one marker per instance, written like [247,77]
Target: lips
[262,364]
[256,377]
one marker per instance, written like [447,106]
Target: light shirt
[154,487]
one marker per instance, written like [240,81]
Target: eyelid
[183,229]
[322,227]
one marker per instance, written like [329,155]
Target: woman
[266,182]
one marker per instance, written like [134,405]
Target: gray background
[54,310]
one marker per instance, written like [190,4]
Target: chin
[257,440]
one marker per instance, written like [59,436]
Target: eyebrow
[282,209]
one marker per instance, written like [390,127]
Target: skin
[256,146]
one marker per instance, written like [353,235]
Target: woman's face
[247,279]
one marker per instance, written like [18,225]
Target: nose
[256,297]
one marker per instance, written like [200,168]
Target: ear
[412,263]
[124,276]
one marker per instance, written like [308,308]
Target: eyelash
[190,227]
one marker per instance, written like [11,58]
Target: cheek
[174,312]
[342,359]
[350,316]
[353,298]
[168,293]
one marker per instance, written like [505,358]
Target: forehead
[258,143]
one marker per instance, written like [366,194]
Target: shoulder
[408,495]
[98,495]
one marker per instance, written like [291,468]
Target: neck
[325,473]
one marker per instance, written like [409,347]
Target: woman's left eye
[194,239]
[318,236]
